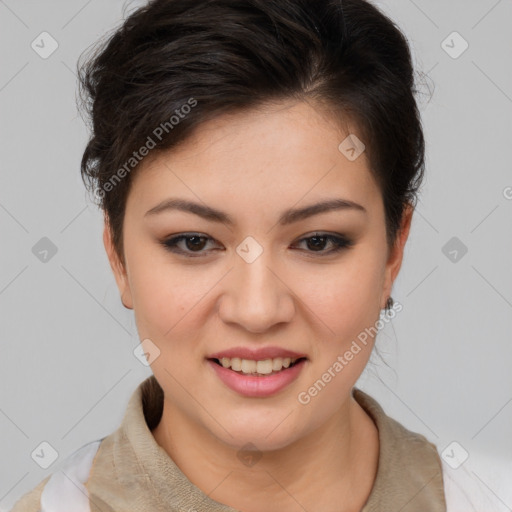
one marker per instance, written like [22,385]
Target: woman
[257,163]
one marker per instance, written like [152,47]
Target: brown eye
[193,243]
[318,242]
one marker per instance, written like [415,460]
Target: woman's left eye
[194,243]
[319,240]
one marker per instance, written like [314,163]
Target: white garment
[65,490]
[481,484]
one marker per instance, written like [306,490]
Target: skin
[253,165]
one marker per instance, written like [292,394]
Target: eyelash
[340,243]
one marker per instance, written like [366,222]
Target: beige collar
[131,472]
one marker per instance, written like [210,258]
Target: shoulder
[65,487]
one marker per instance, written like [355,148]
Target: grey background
[67,366]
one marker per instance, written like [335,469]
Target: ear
[117,267]
[396,254]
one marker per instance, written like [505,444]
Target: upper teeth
[264,367]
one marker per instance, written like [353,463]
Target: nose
[256,296]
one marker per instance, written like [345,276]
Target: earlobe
[396,254]
[117,267]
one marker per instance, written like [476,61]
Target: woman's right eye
[193,245]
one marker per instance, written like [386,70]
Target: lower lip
[254,386]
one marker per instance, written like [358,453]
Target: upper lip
[259,354]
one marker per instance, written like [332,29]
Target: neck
[332,468]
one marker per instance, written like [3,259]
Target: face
[240,275]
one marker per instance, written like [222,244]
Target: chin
[267,432]
[258,440]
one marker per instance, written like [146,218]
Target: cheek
[166,297]
[346,298]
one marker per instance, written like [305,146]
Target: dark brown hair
[174,64]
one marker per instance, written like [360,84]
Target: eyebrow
[287,217]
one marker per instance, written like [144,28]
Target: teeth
[264,367]
[249,366]
[277,364]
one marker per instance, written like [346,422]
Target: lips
[257,373]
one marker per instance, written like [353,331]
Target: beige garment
[132,473]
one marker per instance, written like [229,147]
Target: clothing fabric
[127,471]
[66,487]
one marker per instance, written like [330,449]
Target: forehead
[280,152]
